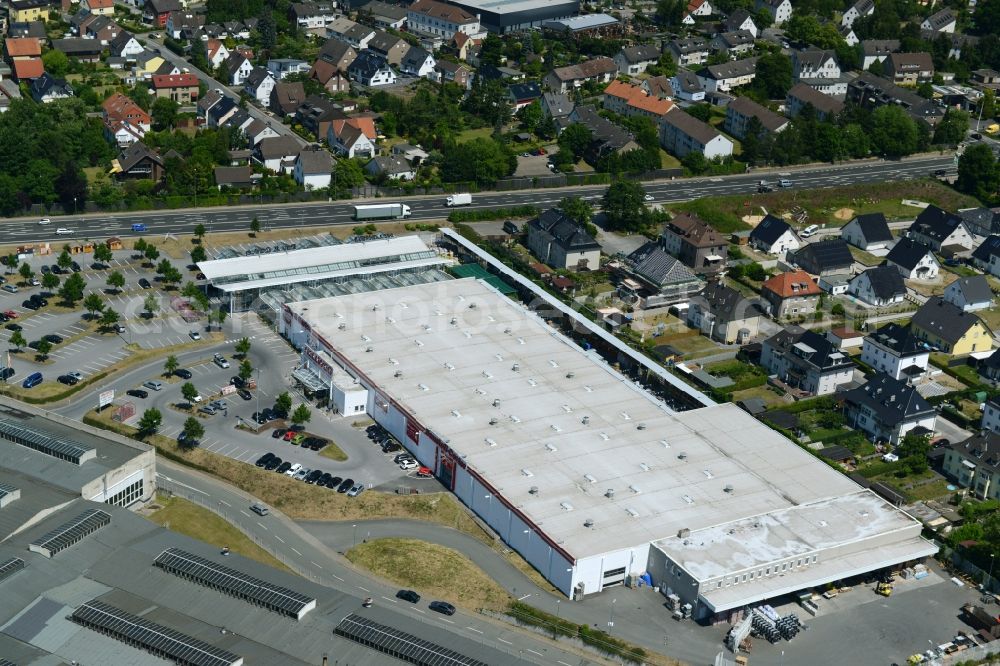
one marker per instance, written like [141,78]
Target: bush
[472,215]
[597,639]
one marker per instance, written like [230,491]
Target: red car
[11,314]
[425,473]
[289,435]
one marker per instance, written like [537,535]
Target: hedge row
[486,214]
[595,638]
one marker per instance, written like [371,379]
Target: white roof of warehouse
[565,422]
[510,6]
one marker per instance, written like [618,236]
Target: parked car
[284,467]
[30,305]
[314,476]
[6,373]
[194,335]
[137,393]
[293,470]
[53,338]
[14,327]
[408,595]
[32,380]
[278,433]
[221,361]
[345,485]
[67,380]
[356,490]
[144,283]
[183,373]
[407,465]
[263,460]
[273,464]
[243,393]
[302,474]
[153,385]
[442,607]
[333,482]
[207,409]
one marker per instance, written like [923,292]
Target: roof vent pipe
[586,420]
[683,533]
[609,493]
[516,367]
[588,523]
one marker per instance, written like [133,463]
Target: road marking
[395,601]
[225,502]
[562,662]
[183,484]
[444,619]
[311,562]
[364,588]
[297,552]
[503,641]
[337,577]
[524,597]
[478,631]
[261,524]
[419,610]
[245,513]
[279,538]
[534,651]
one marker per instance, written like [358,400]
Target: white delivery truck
[387,211]
[464,199]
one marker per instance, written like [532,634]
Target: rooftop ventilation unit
[567,409]
[419,343]
[632,512]
[555,427]
[644,467]
[403,305]
[375,308]
[682,456]
[589,522]
[498,357]
[514,419]
[665,443]
[456,413]
[553,363]
[397,374]
[551,447]
[516,367]
[486,373]
[393,361]
[590,477]
[427,327]
[423,387]
[365,338]
[532,382]
[566,506]
[491,317]
[588,389]
[585,420]
[494,421]
[708,475]
[449,366]
[635,489]
[490,441]
[341,327]
[480,391]
[625,416]
[369,349]
[570,375]
[683,533]
[496,402]
[390,320]
[520,341]
[533,490]
[507,331]
[336,314]
[473,306]
[467,334]
[526,472]
[604,436]
[728,488]
[641,426]
[687,498]
[610,493]
[453,321]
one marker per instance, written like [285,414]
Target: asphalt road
[432,207]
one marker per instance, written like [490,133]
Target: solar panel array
[62,449]
[235,583]
[4,662]
[152,637]
[10,567]
[400,644]
[8,494]
[70,532]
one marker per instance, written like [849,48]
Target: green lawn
[333,452]
[470,134]
[668,161]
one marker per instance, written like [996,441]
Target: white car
[408,465]
[76,374]
[195,335]
[293,470]
[221,361]
[196,398]
[34,282]
[45,220]
[63,231]
[648,197]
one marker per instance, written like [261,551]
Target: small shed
[114,243]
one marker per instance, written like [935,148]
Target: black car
[144,283]
[58,270]
[34,344]
[281,414]
[75,266]
[46,269]
[236,381]
[323,479]
[4,317]
[137,393]
[442,607]
[14,327]
[408,595]
[333,482]
[183,373]
[38,298]
[313,476]
[68,380]
[391,447]
[345,485]
[939,173]
[272,464]
[283,467]
[30,305]
[264,459]
[6,373]
[243,393]
[53,338]
[278,433]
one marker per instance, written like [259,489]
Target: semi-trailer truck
[464,199]
[387,211]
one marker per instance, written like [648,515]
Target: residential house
[258,130]
[630,100]
[286,97]
[780,10]
[914,260]
[633,60]
[277,153]
[313,168]
[352,137]
[681,133]
[735,44]
[137,161]
[559,242]
[28,70]
[125,122]
[521,95]
[182,88]
[909,69]
[653,278]
[36,29]
[371,69]
[98,7]
[157,11]
[843,337]
[949,328]
[943,21]
[391,47]
[877,50]
[658,87]
[790,294]
[282,67]
[743,113]
[689,51]
[986,77]
[943,231]
[234,177]
[606,137]
[312,18]
[869,232]
[259,85]
[216,52]
[82,50]
[687,86]
[969,293]
[383,15]
[974,463]
[870,91]
[700,8]
[728,75]
[987,256]
[186,25]
[826,257]
[219,113]
[879,286]
[22,48]
[989,370]
[819,69]
[722,314]
[886,409]
[390,167]
[453,72]
[697,244]
[25,11]
[849,36]
[103,29]
[125,45]
[438,19]
[324,71]
[740,20]
[353,34]
[316,113]
[859,9]
[466,47]
[46,88]
[774,236]
[991,414]
[566,79]
[415,155]
[894,350]
[807,361]
[9,91]
[239,67]
[981,221]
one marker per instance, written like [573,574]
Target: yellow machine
[993,129]
[885,589]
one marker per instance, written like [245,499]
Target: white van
[810,230]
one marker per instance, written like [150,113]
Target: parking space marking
[225,502]
[364,588]
[337,577]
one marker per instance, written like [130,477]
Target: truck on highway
[464,199]
[387,211]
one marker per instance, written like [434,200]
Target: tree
[577,210]
[199,231]
[893,131]
[774,75]
[482,160]
[267,30]
[624,208]
[283,403]
[17,339]
[11,261]
[116,280]
[575,139]
[198,254]
[755,272]
[988,104]
[56,63]
[246,370]
[220,317]
[103,253]
[978,173]
[50,281]
[151,304]
[530,116]
[109,318]
[952,128]
[73,288]
[301,415]
[193,430]
[93,303]
[151,253]
[255,226]
[170,365]
[64,260]
[43,347]
[189,391]
[164,112]
[26,272]
[150,422]
[243,347]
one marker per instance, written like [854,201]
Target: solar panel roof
[400,644]
[62,449]
[4,662]
[70,532]
[10,567]
[235,583]
[153,637]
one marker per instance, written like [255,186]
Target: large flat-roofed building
[314,272]
[501,16]
[574,466]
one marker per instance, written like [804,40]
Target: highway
[432,207]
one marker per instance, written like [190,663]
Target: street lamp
[558,604]
[611,619]
[990,579]
[355,534]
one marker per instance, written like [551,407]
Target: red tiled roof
[28,69]
[119,107]
[175,81]
[792,283]
[18,47]
[100,4]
